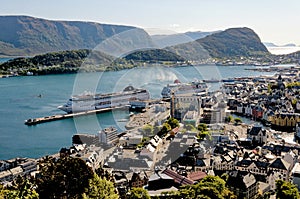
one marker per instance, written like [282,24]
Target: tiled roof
[197,175]
[178,178]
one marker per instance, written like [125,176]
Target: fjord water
[38,96]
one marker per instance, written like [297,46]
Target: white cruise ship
[88,102]
[183,88]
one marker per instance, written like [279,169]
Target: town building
[257,135]
[182,103]
[108,136]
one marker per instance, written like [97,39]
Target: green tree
[173,122]
[63,178]
[203,131]
[209,187]
[20,188]
[100,188]
[102,173]
[229,119]
[148,129]
[138,193]
[286,189]
[165,129]
[238,120]
[202,135]
[202,127]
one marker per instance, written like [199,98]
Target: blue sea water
[38,96]
[4,59]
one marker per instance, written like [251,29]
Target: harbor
[34,121]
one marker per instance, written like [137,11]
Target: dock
[34,121]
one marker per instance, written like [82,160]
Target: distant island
[269,44]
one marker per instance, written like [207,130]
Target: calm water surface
[38,96]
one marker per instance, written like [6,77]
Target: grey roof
[280,164]
[256,129]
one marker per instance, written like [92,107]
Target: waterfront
[37,96]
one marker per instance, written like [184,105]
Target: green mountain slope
[154,55]
[233,42]
[24,35]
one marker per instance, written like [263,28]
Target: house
[5,176]
[138,179]
[258,111]
[243,184]
[258,135]
[296,175]
[284,120]
[297,134]
[272,177]
[4,165]
[28,166]
[282,166]
[160,181]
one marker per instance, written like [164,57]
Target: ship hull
[90,102]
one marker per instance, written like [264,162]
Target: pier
[51,118]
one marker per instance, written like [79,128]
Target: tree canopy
[173,122]
[138,193]
[286,189]
[63,178]
[100,188]
[210,187]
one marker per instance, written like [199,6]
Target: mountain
[24,35]
[269,44]
[289,45]
[162,41]
[233,42]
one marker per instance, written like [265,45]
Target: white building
[108,135]
[181,103]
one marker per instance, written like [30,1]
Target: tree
[173,122]
[102,173]
[203,131]
[148,129]
[21,188]
[238,120]
[209,187]
[100,188]
[138,193]
[165,129]
[229,119]
[203,134]
[202,127]
[65,177]
[286,189]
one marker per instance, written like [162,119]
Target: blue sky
[274,21]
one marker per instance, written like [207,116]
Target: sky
[275,21]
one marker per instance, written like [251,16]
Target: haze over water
[38,96]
